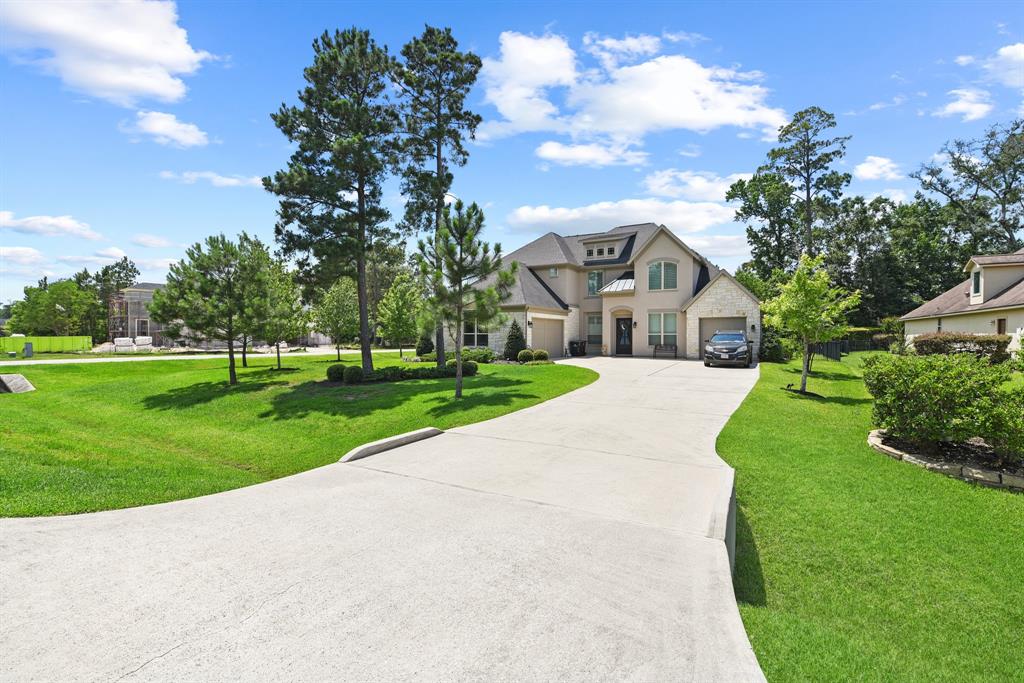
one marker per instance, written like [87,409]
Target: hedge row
[530,355]
[990,346]
[353,374]
[934,398]
[477,354]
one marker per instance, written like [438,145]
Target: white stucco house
[989,301]
[623,291]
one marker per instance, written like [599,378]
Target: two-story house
[623,291]
[990,301]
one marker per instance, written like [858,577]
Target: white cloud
[691,151]
[877,168]
[592,154]
[117,51]
[684,37]
[618,102]
[1007,65]
[517,83]
[151,241]
[964,60]
[969,103]
[612,51]
[895,194]
[700,186]
[100,257]
[894,102]
[166,129]
[22,256]
[719,245]
[215,179]
[65,226]
[680,216]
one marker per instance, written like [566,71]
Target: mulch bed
[973,453]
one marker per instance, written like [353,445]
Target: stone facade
[497,335]
[723,298]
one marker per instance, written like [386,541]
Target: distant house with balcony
[128,314]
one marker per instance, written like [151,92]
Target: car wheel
[707,364]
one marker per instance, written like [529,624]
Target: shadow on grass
[206,392]
[343,400]
[748,582]
[837,400]
[825,374]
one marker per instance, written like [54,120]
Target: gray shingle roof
[528,290]
[1015,258]
[553,250]
[958,300]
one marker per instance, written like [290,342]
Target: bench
[666,348]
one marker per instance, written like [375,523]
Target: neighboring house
[128,314]
[622,291]
[990,301]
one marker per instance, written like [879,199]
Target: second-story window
[590,253]
[611,251]
[600,251]
[976,277]
[595,281]
[661,275]
[552,272]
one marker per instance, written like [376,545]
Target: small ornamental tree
[204,294]
[337,314]
[284,316]
[470,284]
[515,342]
[398,310]
[810,309]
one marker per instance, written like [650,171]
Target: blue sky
[137,128]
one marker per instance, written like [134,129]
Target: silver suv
[727,347]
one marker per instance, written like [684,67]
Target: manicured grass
[96,436]
[853,566]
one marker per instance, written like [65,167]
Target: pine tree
[515,341]
[435,78]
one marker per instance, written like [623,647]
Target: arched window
[661,275]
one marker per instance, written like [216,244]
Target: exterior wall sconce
[529,323]
[634,324]
[753,328]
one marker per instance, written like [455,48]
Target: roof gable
[721,277]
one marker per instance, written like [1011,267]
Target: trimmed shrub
[515,342]
[990,346]
[480,354]
[353,374]
[524,356]
[1003,425]
[469,368]
[450,364]
[884,340]
[540,362]
[541,354]
[336,373]
[427,372]
[391,373]
[928,399]
[424,345]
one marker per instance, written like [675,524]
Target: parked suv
[727,347]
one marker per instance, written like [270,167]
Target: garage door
[709,325]
[547,334]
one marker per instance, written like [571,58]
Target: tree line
[896,254]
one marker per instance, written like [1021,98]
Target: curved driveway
[580,539]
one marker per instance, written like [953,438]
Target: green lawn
[853,566]
[96,436]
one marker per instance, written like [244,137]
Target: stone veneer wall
[497,335]
[725,299]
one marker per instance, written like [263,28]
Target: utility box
[27,351]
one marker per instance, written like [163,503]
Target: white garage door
[709,325]
[547,334]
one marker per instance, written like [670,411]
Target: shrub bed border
[977,475]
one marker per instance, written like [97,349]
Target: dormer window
[976,282]
[600,251]
[590,253]
[611,251]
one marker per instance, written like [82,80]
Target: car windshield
[727,338]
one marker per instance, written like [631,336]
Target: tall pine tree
[345,133]
[434,79]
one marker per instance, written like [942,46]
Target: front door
[623,336]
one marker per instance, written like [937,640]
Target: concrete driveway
[581,539]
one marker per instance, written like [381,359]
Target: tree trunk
[338,350]
[232,377]
[278,345]
[808,218]
[364,311]
[245,343]
[399,349]
[458,355]
[438,212]
[806,368]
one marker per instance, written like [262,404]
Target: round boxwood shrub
[336,373]
[424,346]
[525,356]
[469,368]
[353,374]
[541,354]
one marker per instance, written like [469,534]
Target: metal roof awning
[624,283]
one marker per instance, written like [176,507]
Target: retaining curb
[977,475]
[375,447]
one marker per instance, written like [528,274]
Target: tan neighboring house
[622,291]
[990,301]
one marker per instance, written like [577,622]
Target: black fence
[835,350]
